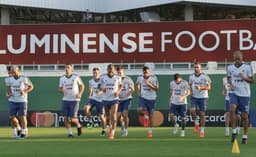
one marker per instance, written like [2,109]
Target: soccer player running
[125,97]
[72,87]
[18,87]
[241,76]
[95,100]
[111,86]
[16,129]
[147,86]
[179,90]
[200,84]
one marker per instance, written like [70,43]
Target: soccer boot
[79,131]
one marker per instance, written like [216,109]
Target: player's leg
[67,121]
[233,106]
[227,118]
[74,107]
[150,105]
[15,126]
[238,120]
[141,112]
[113,115]
[107,115]
[244,108]
[126,121]
[202,108]
[16,129]
[193,103]
[87,111]
[22,113]
[245,122]
[182,113]
[125,115]
[120,116]
[101,111]
[172,118]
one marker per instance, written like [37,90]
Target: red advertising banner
[129,42]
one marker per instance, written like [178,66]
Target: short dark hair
[145,68]
[176,76]
[95,69]
[120,68]
[8,68]
[111,66]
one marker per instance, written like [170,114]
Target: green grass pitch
[53,142]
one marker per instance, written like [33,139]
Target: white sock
[79,125]
[69,131]
[234,131]
[18,128]
[26,131]
[14,131]
[113,131]
[244,136]
[202,129]
[23,131]
[196,122]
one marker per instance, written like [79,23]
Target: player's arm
[224,90]
[29,88]
[120,87]
[138,86]
[206,87]
[61,88]
[186,94]
[90,90]
[81,90]
[8,91]
[170,96]
[151,85]
[247,79]
[131,86]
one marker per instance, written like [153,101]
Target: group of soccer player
[111,95]
[236,89]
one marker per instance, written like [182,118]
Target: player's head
[15,71]
[96,72]
[111,70]
[197,67]
[146,71]
[238,57]
[68,69]
[177,77]
[120,71]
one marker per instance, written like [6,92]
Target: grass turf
[47,142]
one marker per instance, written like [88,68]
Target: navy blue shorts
[242,103]
[109,103]
[200,102]
[98,105]
[149,104]
[17,108]
[180,110]
[124,105]
[70,108]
